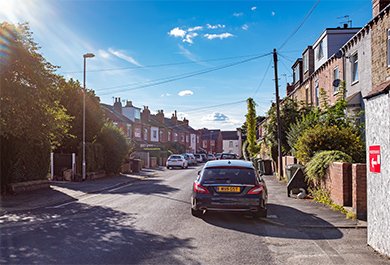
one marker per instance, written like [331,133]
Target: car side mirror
[198,172]
[260,172]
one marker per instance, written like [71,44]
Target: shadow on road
[285,222]
[85,235]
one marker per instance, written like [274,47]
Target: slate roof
[207,134]
[113,115]
[380,89]
[229,135]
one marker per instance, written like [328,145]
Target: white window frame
[335,76]
[306,62]
[129,131]
[296,74]
[355,67]
[388,47]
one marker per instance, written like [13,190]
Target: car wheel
[182,166]
[196,213]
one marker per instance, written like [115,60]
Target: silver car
[176,161]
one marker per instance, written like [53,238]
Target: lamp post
[87,55]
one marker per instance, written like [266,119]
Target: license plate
[229,189]
[174,160]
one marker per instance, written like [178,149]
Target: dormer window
[296,74]
[306,62]
[320,51]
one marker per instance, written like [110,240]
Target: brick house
[211,141]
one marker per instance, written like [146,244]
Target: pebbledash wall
[378,184]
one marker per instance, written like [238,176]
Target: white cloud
[238,14]
[121,55]
[104,54]
[254,8]
[245,27]
[186,93]
[215,26]
[273,13]
[195,28]
[165,95]
[177,32]
[190,36]
[220,36]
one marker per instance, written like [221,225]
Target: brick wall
[339,183]
[359,190]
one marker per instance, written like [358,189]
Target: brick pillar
[340,177]
[359,190]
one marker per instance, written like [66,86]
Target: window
[175,137]
[388,47]
[137,133]
[305,62]
[296,97]
[212,143]
[230,144]
[182,138]
[169,136]
[320,51]
[204,144]
[355,75]
[145,134]
[296,74]
[193,138]
[335,77]
[317,92]
[154,134]
[129,130]
[161,135]
[187,139]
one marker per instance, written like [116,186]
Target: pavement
[282,210]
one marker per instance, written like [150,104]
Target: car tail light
[180,160]
[256,190]
[199,188]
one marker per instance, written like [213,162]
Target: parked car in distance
[210,157]
[204,156]
[177,161]
[228,156]
[199,158]
[217,156]
[229,185]
[190,158]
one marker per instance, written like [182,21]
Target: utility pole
[278,116]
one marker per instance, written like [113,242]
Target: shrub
[115,146]
[320,138]
[23,160]
[316,168]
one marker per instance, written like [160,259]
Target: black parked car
[229,185]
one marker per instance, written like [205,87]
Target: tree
[32,119]
[251,127]
[71,98]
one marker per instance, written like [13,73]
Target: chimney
[185,121]
[160,116]
[129,104]
[118,105]
[146,113]
[289,89]
[174,118]
[378,6]
[345,26]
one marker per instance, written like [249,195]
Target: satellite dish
[336,82]
[339,54]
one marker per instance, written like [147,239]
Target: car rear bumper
[228,204]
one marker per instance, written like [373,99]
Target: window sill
[355,82]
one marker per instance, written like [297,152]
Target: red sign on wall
[374,154]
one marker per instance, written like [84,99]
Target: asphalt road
[149,222]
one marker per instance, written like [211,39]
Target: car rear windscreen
[229,175]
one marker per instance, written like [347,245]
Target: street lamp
[87,55]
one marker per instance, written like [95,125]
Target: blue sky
[201,58]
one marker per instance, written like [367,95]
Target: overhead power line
[162,65]
[173,78]
[300,25]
